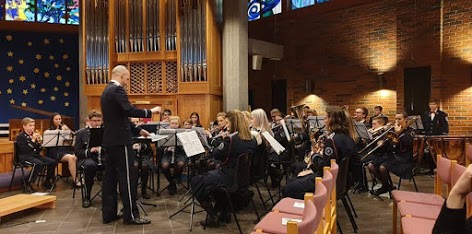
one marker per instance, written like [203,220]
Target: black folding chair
[17,164]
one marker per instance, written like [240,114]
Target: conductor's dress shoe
[137,221]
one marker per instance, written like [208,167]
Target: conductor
[119,155]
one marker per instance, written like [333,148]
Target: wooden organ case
[172,49]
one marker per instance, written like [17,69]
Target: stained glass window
[321,1]
[253,10]
[73,12]
[19,10]
[271,7]
[2,9]
[296,4]
[51,11]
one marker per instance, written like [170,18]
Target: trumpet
[37,136]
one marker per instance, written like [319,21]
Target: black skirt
[204,185]
[401,169]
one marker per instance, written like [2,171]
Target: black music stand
[62,138]
[294,125]
[317,122]
[417,125]
[193,147]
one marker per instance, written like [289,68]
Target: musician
[401,164]
[219,127]
[29,146]
[435,121]
[310,112]
[305,111]
[188,123]
[339,144]
[195,117]
[119,156]
[63,153]
[165,115]
[89,158]
[86,121]
[275,172]
[383,153]
[378,113]
[355,168]
[227,150]
[260,124]
[174,156]
[143,163]
[360,116]
[273,113]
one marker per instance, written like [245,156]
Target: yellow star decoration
[22,78]
[11,81]
[56,65]
[40,102]
[68,68]
[24,104]
[36,70]
[67,84]
[43,90]
[65,56]
[46,41]
[51,57]
[10,54]
[12,101]
[0,92]
[10,68]
[66,104]
[33,86]
[58,77]
[21,61]
[9,91]
[66,94]
[38,56]
[29,43]
[46,74]
[53,98]
[61,41]
[9,37]
[25,91]
[56,88]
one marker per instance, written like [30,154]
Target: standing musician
[63,153]
[339,144]
[29,146]
[174,156]
[401,164]
[274,172]
[378,113]
[226,150]
[119,155]
[435,121]
[143,163]
[89,157]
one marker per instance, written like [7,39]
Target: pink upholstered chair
[413,225]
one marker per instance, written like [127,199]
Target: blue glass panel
[253,10]
[296,4]
[73,12]
[19,10]
[2,9]
[321,1]
[271,7]
[51,11]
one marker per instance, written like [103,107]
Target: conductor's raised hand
[156,109]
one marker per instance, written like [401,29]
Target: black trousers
[40,162]
[119,169]
[90,168]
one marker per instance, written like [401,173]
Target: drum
[418,148]
[449,147]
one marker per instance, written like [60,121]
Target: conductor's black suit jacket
[116,110]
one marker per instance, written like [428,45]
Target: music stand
[151,127]
[57,138]
[202,136]
[161,125]
[294,125]
[417,125]
[362,131]
[316,122]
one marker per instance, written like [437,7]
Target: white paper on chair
[39,194]
[191,143]
[285,221]
[300,205]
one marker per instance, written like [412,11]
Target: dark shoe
[137,221]
[381,190]
[86,203]
[47,185]
[225,217]
[211,221]
[28,188]
[172,189]
[117,217]
[145,194]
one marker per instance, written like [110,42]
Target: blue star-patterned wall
[38,70]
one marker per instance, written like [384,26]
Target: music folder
[96,137]
[191,143]
[54,138]
[278,148]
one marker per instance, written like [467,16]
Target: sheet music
[154,137]
[202,136]
[191,143]
[55,138]
[278,148]
[284,126]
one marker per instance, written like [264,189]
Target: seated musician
[275,172]
[378,113]
[401,164]
[381,154]
[258,125]
[355,167]
[174,156]
[89,157]
[166,115]
[239,142]
[360,116]
[219,127]
[29,146]
[63,153]
[195,117]
[143,164]
[188,123]
[339,144]
[274,112]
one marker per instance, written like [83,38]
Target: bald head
[121,74]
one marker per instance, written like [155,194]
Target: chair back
[341,180]
[259,164]
[327,179]
[334,169]
[456,173]
[443,175]
[309,220]
[16,157]
[241,172]
[468,152]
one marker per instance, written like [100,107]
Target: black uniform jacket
[438,126]
[26,146]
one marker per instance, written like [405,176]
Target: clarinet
[99,158]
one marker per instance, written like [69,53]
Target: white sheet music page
[284,126]
[278,148]
[191,143]
[154,137]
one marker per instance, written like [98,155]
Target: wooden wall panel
[6,156]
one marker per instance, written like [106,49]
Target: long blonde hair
[260,121]
[239,124]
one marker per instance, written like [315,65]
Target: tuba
[298,114]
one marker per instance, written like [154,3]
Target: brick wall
[342,52]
